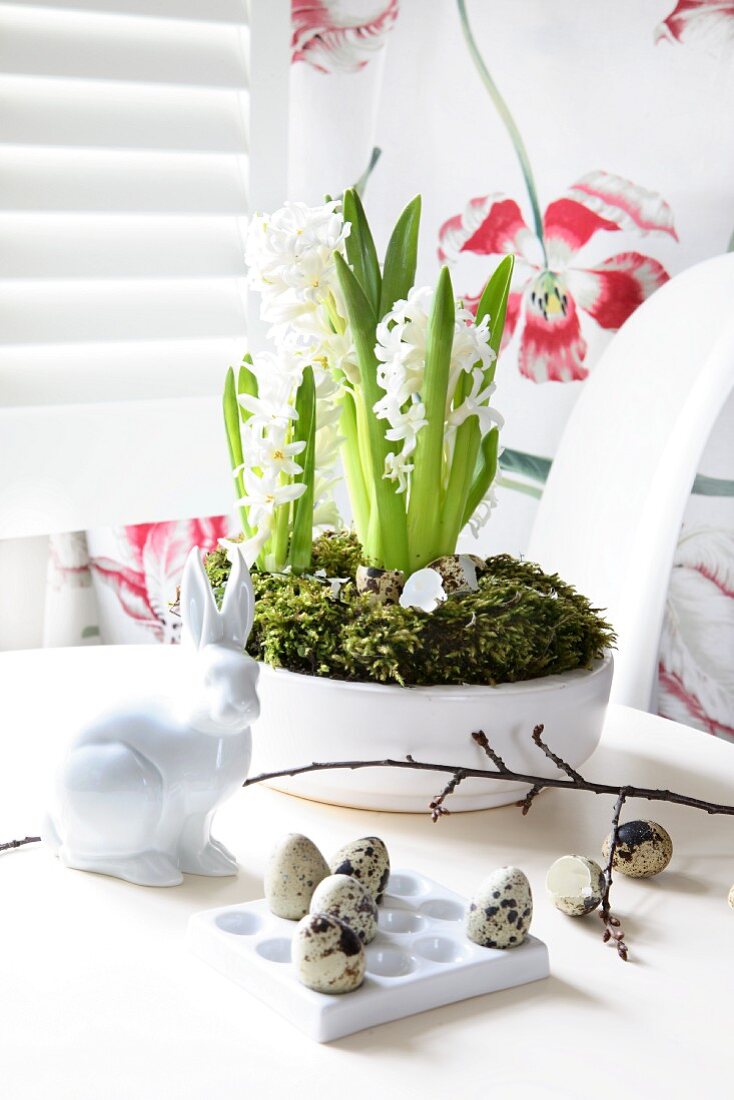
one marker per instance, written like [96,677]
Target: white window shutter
[134,137]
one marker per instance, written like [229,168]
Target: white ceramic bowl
[308,718]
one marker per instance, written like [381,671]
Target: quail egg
[295,869]
[731,897]
[459,572]
[345,897]
[385,585]
[367,860]
[575,885]
[328,955]
[644,849]
[500,912]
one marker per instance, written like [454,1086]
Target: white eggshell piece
[500,912]
[458,572]
[365,859]
[575,885]
[295,869]
[644,849]
[328,955]
[345,897]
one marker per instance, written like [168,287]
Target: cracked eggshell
[365,859]
[500,912]
[575,885]
[644,849]
[295,869]
[384,584]
[345,897]
[458,572]
[328,955]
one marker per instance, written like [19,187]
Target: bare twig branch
[437,807]
[557,760]
[19,843]
[612,928]
[521,778]
[481,739]
[527,801]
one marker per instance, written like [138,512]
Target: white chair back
[611,511]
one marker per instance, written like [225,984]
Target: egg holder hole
[420,958]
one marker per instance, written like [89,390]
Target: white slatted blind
[134,136]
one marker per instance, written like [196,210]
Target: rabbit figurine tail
[138,787]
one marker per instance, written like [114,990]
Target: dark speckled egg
[346,898]
[328,955]
[500,912]
[295,869]
[384,585]
[644,849]
[366,859]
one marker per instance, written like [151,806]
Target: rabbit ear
[238,605]
[201,621]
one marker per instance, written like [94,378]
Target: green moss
[520,624]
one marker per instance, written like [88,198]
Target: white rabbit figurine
[138,788]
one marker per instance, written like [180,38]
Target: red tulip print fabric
[146,574]
[553,285]
[696,672]
[337,36]
[712,20]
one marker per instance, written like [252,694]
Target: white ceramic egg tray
[419,959]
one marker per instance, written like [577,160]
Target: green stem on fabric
[519,487]
[361,184]
[510,125]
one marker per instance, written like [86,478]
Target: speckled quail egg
[346,898]
[731,897]
[500,912]
[367,860]
[328,955]
[384,584]
[575,885]
[644,849]
[459,572]
[295,869]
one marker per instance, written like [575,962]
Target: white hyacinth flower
[397,468]
[476,403]
[402,337]
[290,258]
[263,495]
[423,589]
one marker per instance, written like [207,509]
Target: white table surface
[100,999]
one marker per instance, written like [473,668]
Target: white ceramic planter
[308,718]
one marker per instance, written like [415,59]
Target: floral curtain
[592,141]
